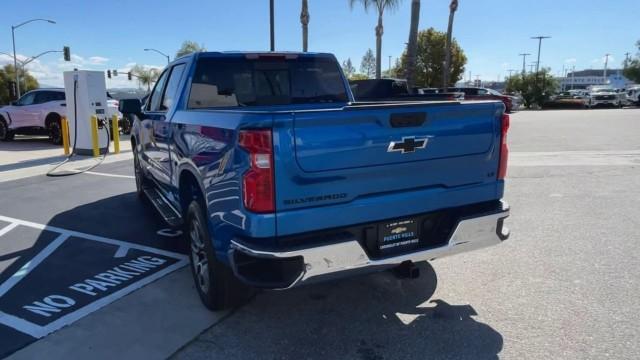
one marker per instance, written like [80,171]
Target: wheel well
[50,118]
[189,190]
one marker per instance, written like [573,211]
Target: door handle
[403,120]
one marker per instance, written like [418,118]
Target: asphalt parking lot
[86,269]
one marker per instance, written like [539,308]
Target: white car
[633,94]
[39,112]
[604,95]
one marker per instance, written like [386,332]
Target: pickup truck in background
[280,178]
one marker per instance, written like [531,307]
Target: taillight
[257,182]
[504,150]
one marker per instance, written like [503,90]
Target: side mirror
[130,106]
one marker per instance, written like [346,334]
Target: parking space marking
[110,175]
[39,331]
[8,228]
[29,266]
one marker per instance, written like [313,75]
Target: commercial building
[583,79]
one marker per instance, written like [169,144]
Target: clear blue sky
[112,34]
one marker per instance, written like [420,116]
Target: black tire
[141,179]
[5,133]
[55,131]
[125,124]
[217,287]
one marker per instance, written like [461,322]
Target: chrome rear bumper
[349,256]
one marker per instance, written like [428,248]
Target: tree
[368,64]
[146,76]
[453,6]
[189,47]
[532,93]
[358,76]
[304,20]
[412,44]
[430,60]
[348,68]
[632,67]
[381,6]
[8,75]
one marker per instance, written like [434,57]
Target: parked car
[476,93]
[255,154]
[566,99]
[38,112]
[604,95]
[633,95]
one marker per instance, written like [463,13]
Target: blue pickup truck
[279,177]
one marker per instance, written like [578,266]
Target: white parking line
[8,228]
[39,331]
[29,266]
[110,175]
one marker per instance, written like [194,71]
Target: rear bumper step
[290,268]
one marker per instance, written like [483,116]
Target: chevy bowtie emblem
[408,144]
[398,230]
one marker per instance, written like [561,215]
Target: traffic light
[115,72]
[67,53]
[129,75]
[109,74]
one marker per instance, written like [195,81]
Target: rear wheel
[217,287]
[55,131]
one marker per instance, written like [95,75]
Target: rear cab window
[240,81]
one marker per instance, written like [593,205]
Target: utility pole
[626,59]
[524,64]
[604,74]
[511,71]
[389,65]
[531,66]
[272,25]
[539,47]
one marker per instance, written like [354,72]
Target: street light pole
[606,63]
[13,40]
[272,25]
[161,53]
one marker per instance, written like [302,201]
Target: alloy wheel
[199,258]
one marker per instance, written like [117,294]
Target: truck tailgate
[385,161]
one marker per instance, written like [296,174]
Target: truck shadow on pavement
[369,317]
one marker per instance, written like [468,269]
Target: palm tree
[453,6]
[381,6]
[304,20]
[412,44]
[145,76]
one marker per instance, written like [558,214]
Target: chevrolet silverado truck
[279,178]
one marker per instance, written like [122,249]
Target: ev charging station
[86,96]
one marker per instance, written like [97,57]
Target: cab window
[171,92]
[156,95]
